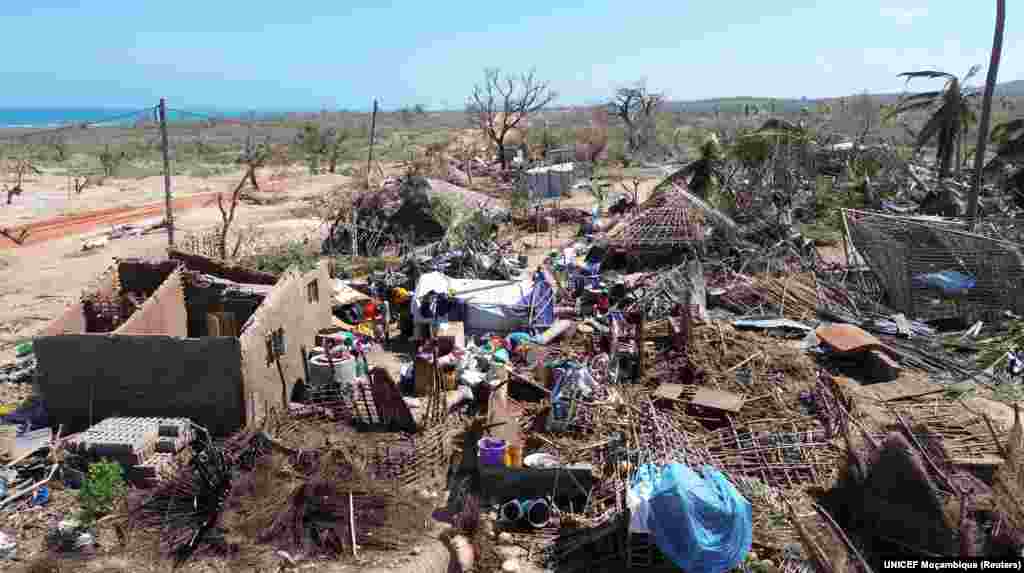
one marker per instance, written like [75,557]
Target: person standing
[386,313]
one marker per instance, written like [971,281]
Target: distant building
[550,181]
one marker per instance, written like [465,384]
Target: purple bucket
[492,451]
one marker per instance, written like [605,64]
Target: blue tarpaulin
[699,521]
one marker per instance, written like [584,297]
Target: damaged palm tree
[187,511]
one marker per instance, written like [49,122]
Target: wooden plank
[669,391]
[717,400]
[980,461]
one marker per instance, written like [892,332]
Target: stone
[505,538]
[510,566]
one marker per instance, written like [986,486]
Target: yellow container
[514,456]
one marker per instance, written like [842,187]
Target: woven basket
[416,459]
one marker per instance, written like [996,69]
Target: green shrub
[102,490]
[278,259]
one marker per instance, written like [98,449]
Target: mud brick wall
[288,307]
[72,320]
[163,312]
[141,375]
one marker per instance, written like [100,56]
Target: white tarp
[492,306]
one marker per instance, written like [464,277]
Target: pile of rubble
[688,389]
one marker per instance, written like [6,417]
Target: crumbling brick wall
[294,308]
[163,312]
[88,377]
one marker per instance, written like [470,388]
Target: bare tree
[591,141]
[636,107]
[500,104]
[227,217]
[19,169]
[253,157]
[465,152]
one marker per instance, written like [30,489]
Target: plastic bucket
[492,451]
[320,370]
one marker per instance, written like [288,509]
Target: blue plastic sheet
[700,522]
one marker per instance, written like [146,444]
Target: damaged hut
[181,337]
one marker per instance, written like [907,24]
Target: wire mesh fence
[935,269]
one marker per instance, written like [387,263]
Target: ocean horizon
[46,118]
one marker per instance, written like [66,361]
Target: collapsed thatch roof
[665,220]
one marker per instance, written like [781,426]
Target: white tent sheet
[492,306]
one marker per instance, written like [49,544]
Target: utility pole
[167,173]
[373,127]
[354,233]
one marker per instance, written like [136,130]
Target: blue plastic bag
[950,283]
[700,522]
[41,497]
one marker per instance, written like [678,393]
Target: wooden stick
[352,522]
[745,360]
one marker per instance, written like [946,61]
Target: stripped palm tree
[953,112]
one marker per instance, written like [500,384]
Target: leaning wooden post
[640,343]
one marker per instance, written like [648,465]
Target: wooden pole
[169,213]
[986,112]
[354,232]
[641,341]
[373,129]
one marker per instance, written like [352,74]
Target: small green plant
[102,490]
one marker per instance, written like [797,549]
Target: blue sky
[320,53]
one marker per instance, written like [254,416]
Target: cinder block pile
[141,445]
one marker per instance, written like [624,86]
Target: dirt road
[58,227]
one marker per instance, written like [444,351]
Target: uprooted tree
[636,107]
[501,103]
